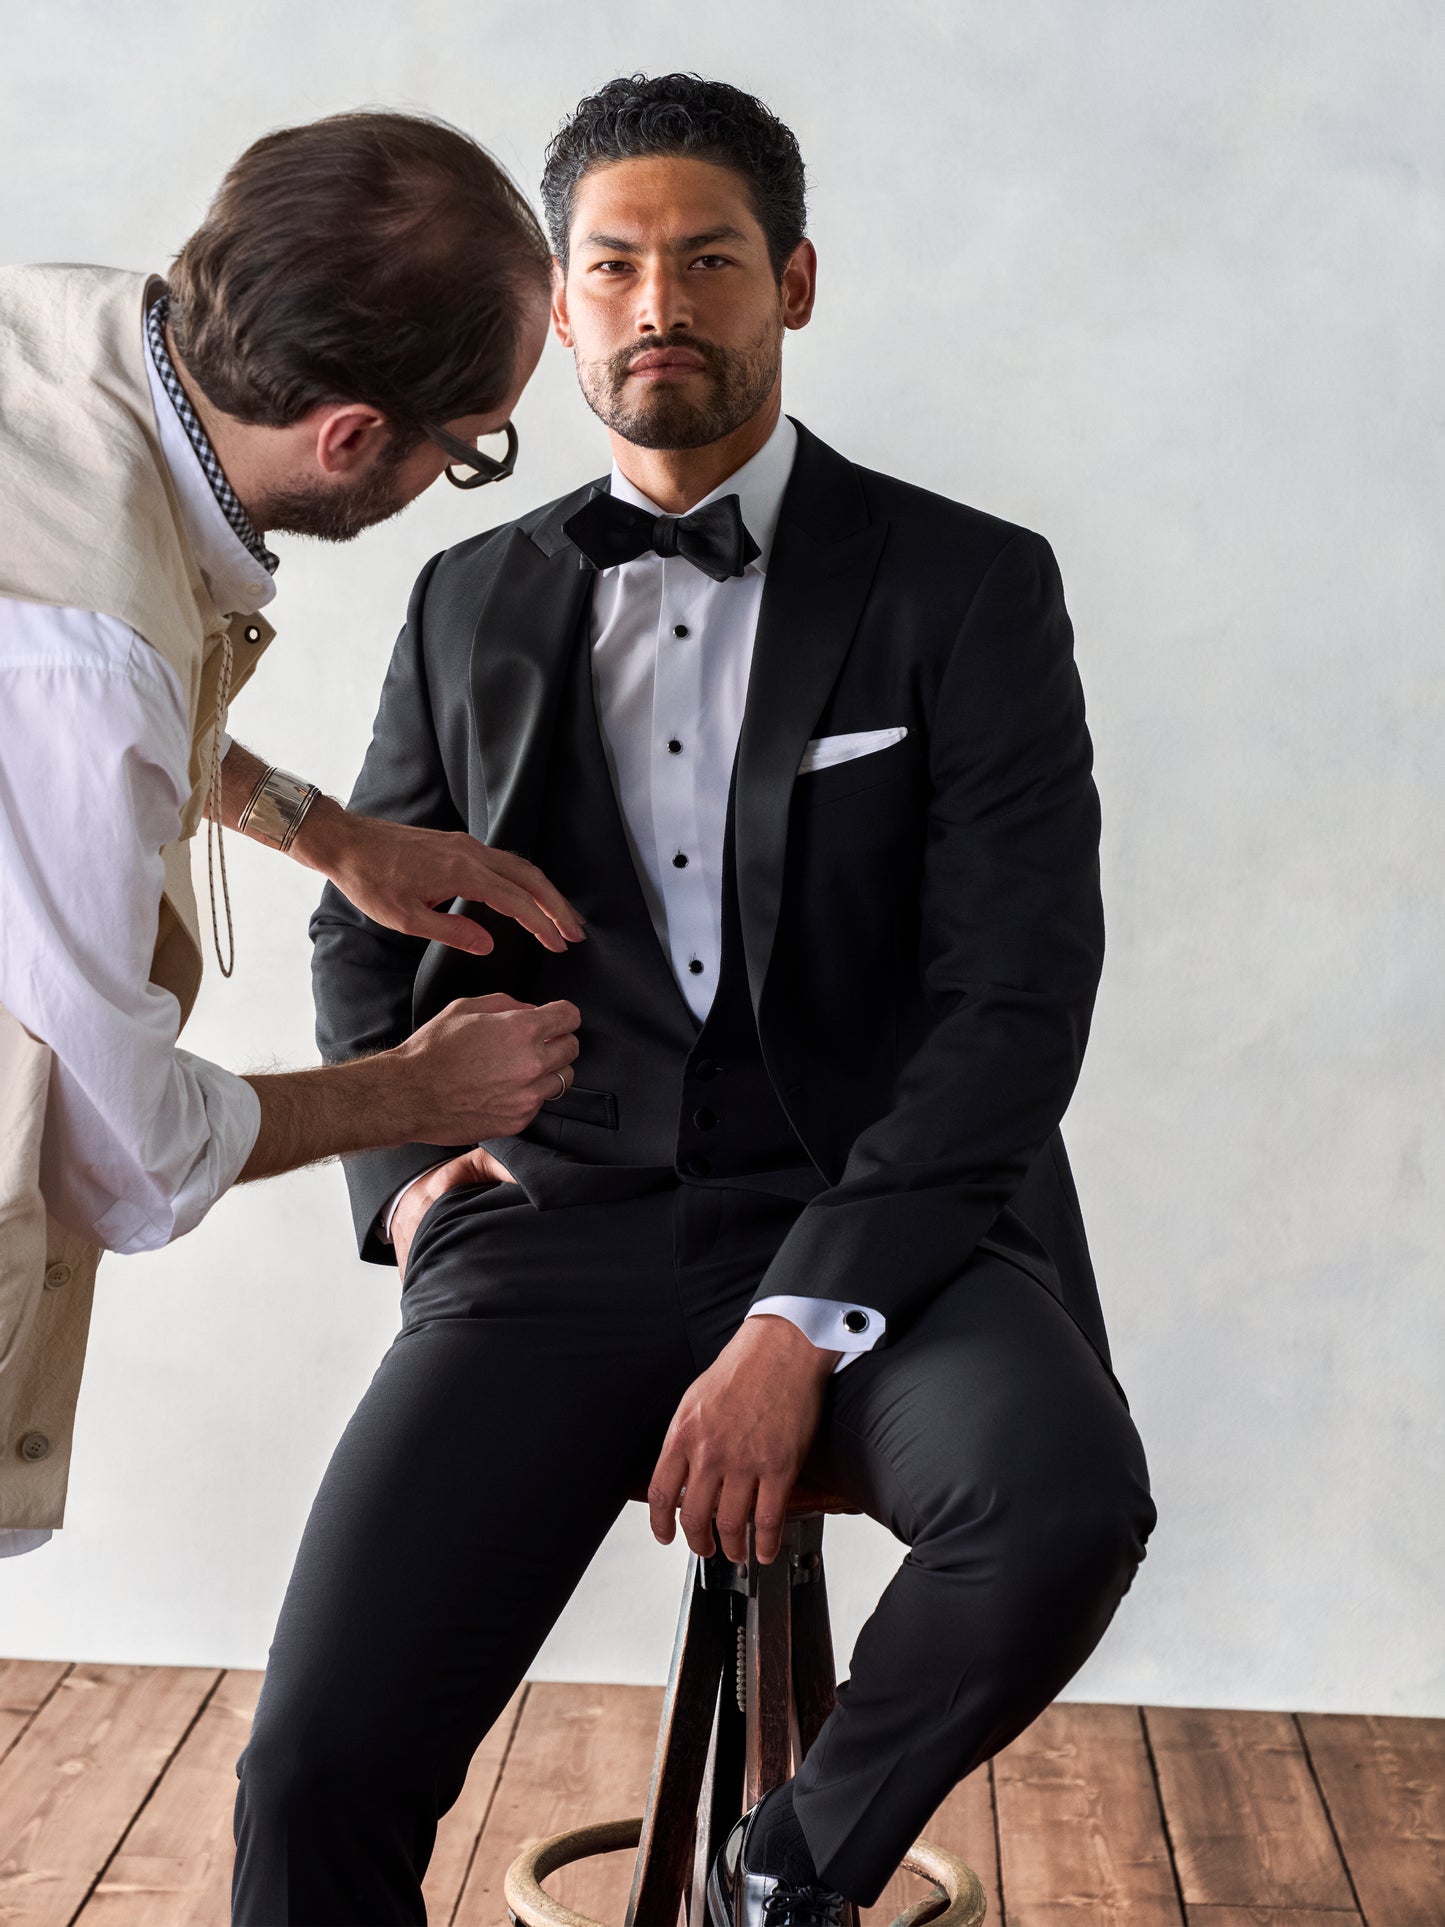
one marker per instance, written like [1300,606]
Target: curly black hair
[633,118]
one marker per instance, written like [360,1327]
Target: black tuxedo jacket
[922,925]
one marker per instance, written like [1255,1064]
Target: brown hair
[368,257]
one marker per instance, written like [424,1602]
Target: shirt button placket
[681,761]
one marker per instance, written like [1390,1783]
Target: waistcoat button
[697,1167]
[705,1069]
[56,1275]
[704,1119]
[35,1445]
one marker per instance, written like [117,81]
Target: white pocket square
[824,751]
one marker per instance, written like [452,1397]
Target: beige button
[56,1275]
[35,1445]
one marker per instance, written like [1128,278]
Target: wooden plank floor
[117,1782]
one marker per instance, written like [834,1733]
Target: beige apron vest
[89,519]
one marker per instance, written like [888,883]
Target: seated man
[806,747]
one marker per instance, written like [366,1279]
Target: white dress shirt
[671,655]
[140,1137]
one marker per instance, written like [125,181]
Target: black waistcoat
[653,1090]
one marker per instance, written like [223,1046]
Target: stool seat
[803,1500]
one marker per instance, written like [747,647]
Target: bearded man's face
[672,305]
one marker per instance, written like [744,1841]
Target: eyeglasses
[484,468]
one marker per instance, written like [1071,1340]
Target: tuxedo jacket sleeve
[1010,948]
[362,972]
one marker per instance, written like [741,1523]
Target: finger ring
[563,1082]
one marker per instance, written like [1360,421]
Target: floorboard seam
[491,1802]
[166,1764]
[997,1845]
[1330,1821]
[34,1715]
[1163,1816]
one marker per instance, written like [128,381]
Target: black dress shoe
[738,1898]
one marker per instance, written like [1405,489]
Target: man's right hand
[484,1066]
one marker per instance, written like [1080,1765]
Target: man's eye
[711,261]
[606,267]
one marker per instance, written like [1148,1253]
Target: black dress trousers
[541,1357]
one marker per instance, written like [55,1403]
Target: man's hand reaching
[481,1068]
[398,875]
[738,1440]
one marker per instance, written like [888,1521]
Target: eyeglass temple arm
[485,468]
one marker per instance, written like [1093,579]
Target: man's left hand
[397,875]
[738,1440]
[476,1166]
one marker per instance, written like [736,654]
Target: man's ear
[800,285]
[561,326]
[349,436]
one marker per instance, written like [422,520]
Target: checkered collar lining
[206,455]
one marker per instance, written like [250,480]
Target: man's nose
[663,301]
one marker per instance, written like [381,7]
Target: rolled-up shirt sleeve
[141,1137]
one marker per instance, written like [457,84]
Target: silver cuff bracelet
[277,808]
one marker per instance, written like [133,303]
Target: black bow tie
[714,539]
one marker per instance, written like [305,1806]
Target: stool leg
[769,1669]
[699,1654]
[815,1682]
[722,1787]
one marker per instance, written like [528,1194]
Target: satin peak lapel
[821,568]
[521,648]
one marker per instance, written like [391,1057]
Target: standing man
[807,747]
[366,297]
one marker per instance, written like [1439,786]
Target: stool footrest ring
[960,1903]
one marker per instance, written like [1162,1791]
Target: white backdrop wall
[1166,283]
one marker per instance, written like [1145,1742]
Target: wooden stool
[752,1681]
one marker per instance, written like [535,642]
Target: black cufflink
[856,1321]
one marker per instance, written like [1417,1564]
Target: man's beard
[339,514]
[661,415]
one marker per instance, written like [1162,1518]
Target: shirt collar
[759,486]
[238,584]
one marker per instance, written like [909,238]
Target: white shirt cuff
[208,1108]
[17,1539]
[832,1324]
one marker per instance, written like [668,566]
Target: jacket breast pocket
[871,771]
[582,1106]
